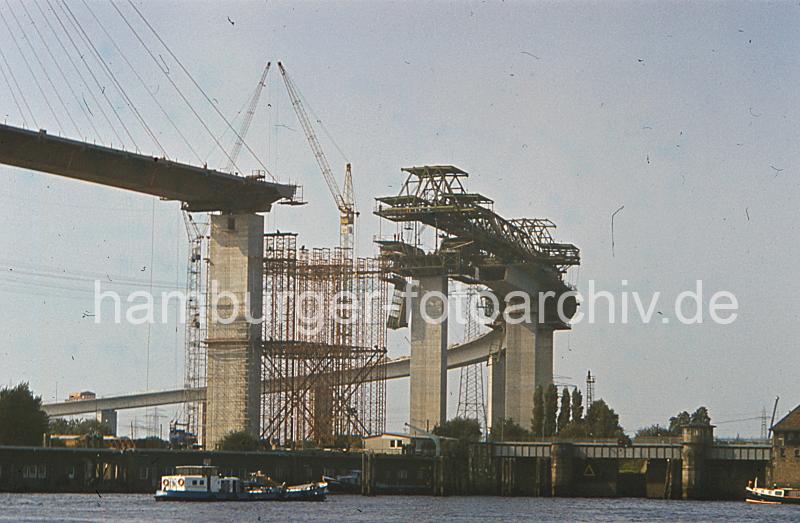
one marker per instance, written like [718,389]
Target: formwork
[324,344]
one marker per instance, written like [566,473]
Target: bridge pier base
[429,353]
[561,469]
[697,441]
[496,372]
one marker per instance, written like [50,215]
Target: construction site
[285,342]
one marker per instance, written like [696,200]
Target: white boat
[204,483]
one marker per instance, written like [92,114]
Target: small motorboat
[771,496]
[204,483]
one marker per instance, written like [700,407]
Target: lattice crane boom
[344,202]
[248,119]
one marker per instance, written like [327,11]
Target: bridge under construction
[285,379]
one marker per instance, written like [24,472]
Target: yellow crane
[345,202]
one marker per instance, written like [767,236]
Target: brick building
[786,450]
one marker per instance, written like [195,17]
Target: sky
[685,113]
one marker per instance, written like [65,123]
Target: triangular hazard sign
[589,471]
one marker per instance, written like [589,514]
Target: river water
[344,508]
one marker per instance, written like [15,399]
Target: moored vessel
[204,483]
[771,496]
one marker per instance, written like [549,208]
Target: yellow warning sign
[589,471]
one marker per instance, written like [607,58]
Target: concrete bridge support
[109,419]
[234,339]
[496,402]
[429,353]
[528,363]
[697,442]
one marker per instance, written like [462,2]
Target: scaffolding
[324,345]
[195,325]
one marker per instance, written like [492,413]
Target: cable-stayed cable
[13,94]
[208,99]
[141,80]
[114,80]
[96,81]
[30,70]
[175,86]
[25,37]
[61,71]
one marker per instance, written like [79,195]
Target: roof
[434,170]
[790,422]
[391,435]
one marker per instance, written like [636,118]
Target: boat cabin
[193,479]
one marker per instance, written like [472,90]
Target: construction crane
[248,119]
[345,202]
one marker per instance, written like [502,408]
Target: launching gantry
[475,246]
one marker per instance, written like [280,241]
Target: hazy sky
[685,113]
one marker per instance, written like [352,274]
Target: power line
[208,99]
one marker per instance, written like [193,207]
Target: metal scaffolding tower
[471,402]
[195,326]
[323,346]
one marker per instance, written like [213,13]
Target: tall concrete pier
[429,353]
[234,341]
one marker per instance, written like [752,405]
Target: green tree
[22,420]
[78,426]
[538,412]
[564,410]
[239,441]
[577,405]
[506,429]
[550,410]
[653,431]
[463,429]
[678,421]
[701,416]
[602,421]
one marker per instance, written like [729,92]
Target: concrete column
[234,341]
[561,468]
[496,372]
[697,440]
[529,364]
[429,354]
[109,419]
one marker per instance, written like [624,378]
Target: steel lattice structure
[322,371]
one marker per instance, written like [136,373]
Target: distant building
[387,443]
[83,395]
[786,450]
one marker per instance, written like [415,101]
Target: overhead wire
[61,71]
[96,81]
[208,99]
[30,70]
[141,80]
[114,80]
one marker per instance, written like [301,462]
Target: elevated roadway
[460,355]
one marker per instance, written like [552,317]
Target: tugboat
[771,496]
[204,483]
